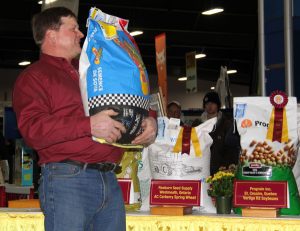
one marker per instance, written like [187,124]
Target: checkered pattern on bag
[119,99]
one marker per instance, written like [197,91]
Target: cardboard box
[23,169]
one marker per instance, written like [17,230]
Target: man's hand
[104,127]
[148,136]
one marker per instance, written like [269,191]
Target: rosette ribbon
[278,127]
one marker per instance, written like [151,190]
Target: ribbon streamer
[185,136]
[278,128]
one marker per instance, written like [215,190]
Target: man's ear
[50,36]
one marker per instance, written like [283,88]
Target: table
[33,220]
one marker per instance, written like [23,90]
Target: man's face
[174,111]
[68,37]
[211,108]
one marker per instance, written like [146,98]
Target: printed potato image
[263,153]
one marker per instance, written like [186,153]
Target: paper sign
[191,72]
[161,64]
[126,187]
[175,192]
[260,194]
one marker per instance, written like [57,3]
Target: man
[78,187]
[211,106]
[174,110]
[226,144]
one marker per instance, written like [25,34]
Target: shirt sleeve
[39,126]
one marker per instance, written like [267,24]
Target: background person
[174,111]
[225,149]
[78,188]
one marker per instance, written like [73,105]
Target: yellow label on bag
[109,31]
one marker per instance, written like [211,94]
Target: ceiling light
[134,33]
[213,11]
[182,78]
[199,56]
[49,1]
[40,2]
[212,88]
[231,71]
[24,63]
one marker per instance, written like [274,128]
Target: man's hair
[48,19]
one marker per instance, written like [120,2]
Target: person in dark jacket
[226,143]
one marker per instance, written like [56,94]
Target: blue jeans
[75,199]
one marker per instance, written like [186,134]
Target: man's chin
[77,54]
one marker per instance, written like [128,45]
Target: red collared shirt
[50,114]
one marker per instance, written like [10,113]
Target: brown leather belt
[102,167]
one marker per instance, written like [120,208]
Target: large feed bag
[273,152]
[112,73]
[166,159]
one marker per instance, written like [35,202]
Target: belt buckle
[106,167]
[109,167]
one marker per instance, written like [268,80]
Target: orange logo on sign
[246,123]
